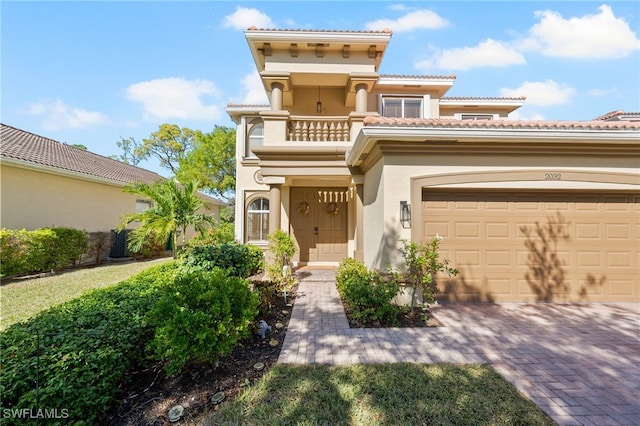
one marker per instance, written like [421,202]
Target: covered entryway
[537,246]
[318,218]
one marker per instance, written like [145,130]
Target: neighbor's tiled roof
[501,124]
[618,114]
[25,146]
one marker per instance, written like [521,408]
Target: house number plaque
[553,176]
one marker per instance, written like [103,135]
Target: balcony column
[361,98]
[274,207]
[359,251]
[276,96]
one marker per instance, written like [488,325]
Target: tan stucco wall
[32,199]
[390,181]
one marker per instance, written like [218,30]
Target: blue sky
[92,73]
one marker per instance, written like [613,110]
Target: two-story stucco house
[350,161]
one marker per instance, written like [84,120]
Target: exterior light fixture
[318,104]
[405,214]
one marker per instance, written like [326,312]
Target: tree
[212,162]
[169,145]
[174,207]
[129,147]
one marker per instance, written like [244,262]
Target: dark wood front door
[319,223]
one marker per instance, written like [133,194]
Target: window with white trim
[142,205]
[401,107]
[258,219]
[476,116]
[255,137]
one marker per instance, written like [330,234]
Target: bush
[98,244]
[13,246]
[239,260]
[281,249]
[71,244]
[224,233]
[44,249]
[366,293]
[87,347]
[201,316]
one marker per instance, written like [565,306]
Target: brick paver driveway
[579,363]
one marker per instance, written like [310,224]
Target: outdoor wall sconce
[405,214]
[319,103]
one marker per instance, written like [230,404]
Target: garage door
[534,246]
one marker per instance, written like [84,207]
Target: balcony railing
[319,129]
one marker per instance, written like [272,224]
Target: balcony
[319,129]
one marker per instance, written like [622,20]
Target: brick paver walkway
[579,363]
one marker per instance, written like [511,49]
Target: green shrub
[201,316]
[71,244]
[422,264]
[366,293]
[13,246]
[44,249]
[223,233]
[281,250]
[239,260]
[87,347]
[98,244]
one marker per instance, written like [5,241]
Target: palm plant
[174,207]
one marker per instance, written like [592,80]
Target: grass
[21,299]
[389,394]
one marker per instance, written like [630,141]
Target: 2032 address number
[553,176]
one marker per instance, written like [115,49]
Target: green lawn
[22,299]
[390,394]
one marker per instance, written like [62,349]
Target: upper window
[258,220]
[476,117]
[401,107]
[255,137]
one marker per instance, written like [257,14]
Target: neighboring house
[350,162]
[45,183]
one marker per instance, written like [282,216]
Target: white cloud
[58,115]
[541,93]
[253,90]
[519,115]
[596,36]
[419,19]
[603,92]
[244,18]
[489,53]
[170,98]
[398,7]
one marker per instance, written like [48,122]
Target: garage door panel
[587,241]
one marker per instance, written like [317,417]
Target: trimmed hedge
[44,249]
[87,347]
[239,260]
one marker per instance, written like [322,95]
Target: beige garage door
[537,246]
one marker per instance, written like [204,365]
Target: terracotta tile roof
[421,77]
[619,115]
[31,148]
[307,30]
[501,124]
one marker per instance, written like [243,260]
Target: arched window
[258,220]
[255,137]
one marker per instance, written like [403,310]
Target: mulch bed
[406,318]
[152,393]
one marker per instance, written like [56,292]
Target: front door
[319,223]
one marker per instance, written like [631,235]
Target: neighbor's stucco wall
[33,199]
